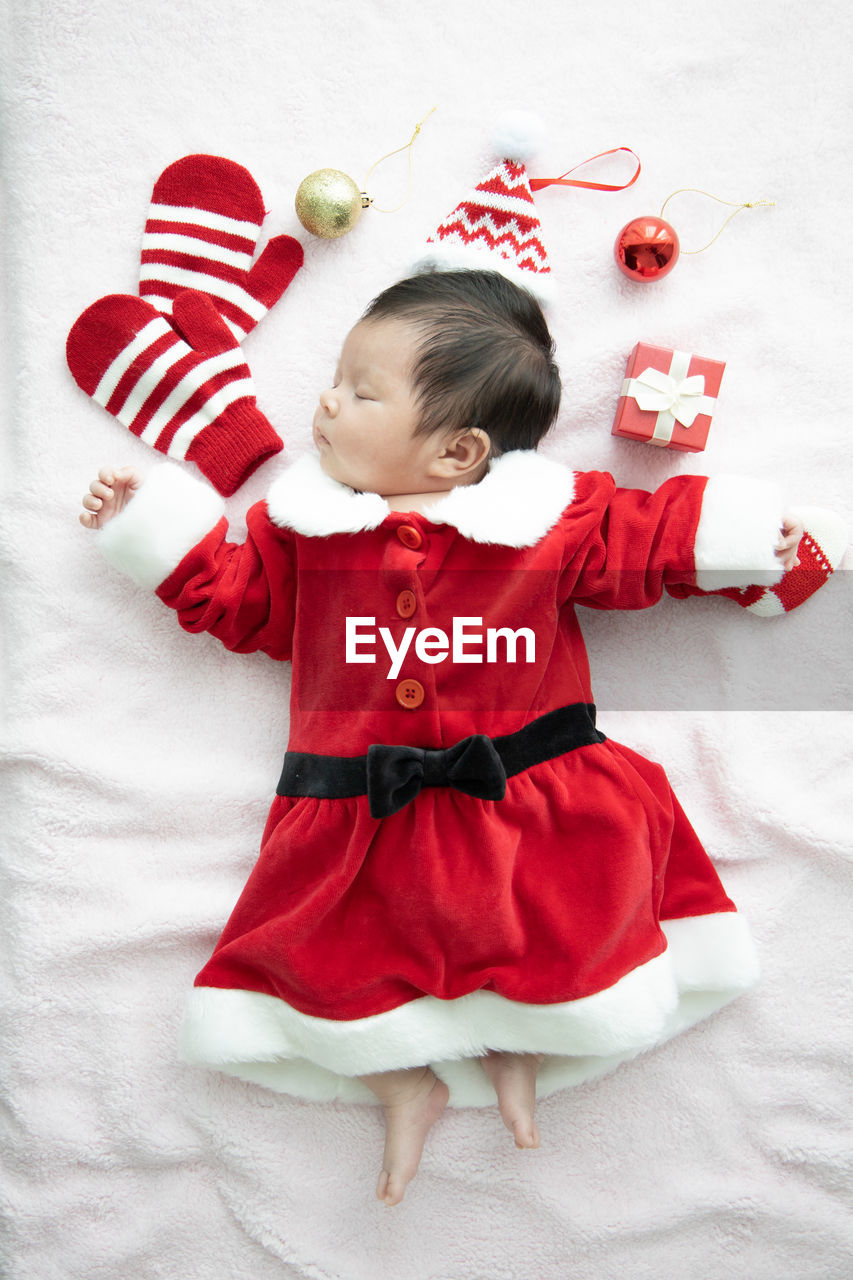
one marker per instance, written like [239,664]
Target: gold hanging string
[747,204]
[406,147]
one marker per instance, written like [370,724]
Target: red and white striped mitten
[202,230]
[189,399]
[820,551]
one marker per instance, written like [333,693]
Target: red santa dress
[557,901]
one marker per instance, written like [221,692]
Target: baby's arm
[691,536]
[108,496]
[168,533]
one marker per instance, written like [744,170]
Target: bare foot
[514,1078]
[108,495]
[413,1100]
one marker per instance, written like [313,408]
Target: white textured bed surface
[138,761]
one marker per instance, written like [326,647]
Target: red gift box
[668,397]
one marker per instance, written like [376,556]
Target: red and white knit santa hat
[496,228]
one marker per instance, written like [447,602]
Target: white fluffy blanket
[138,761]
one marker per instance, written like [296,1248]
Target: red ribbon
[536,184]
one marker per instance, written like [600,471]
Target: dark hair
[485,358]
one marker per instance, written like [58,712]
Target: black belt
[391,776]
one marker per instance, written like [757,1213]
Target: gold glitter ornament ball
[329,204]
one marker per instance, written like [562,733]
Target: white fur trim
[738,530]
[520,498]
[712,952]
[708,962]
[304,498]
[450,256]
[518,135]
[514,505]
[170,513]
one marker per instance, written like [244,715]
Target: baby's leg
[514,1078]
[413,1099]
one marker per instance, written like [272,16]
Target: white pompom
[518,135]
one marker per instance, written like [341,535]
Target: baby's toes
[526,1134]
[518,1118]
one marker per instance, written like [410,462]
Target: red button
[409,536]
[406,604]
[409,693]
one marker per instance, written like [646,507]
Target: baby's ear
[468,448]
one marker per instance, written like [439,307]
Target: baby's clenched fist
[108,495]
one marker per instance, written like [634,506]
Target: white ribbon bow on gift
[673,396]
[655,390]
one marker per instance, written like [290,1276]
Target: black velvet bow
[395,775]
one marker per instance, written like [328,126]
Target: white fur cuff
[167,517]
[738,530]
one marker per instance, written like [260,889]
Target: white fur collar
[520,498]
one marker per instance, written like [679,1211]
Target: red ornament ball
[646,248]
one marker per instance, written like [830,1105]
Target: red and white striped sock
[187,401]
[820,551]
[203,226]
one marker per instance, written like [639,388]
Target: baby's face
[365,423]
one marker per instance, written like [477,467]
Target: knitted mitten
[183,387]
[202,230]
[821,550]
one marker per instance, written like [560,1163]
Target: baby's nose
[329,402]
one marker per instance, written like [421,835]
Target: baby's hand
[786,547]
[108,495]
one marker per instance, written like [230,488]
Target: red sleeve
[624,546]
[244,594]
